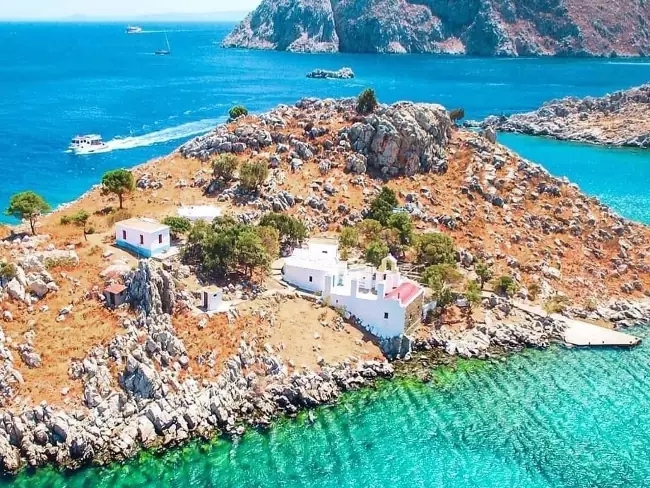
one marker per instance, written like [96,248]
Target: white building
[383,301]
[307,267]
[144,237]
[194,213]
[211,298]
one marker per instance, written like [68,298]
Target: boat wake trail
[165,135]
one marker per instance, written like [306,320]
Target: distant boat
[89,144]
[133,29]
[164,52]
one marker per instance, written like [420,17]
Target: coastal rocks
[617,119]
[485,28]
[342,74]
[402,139]
[399,347]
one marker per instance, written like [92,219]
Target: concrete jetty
[579,333]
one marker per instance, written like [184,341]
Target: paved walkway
[579,333]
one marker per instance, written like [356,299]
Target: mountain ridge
[472,27]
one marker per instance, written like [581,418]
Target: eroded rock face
[404,138]
[152,289]
[476,27]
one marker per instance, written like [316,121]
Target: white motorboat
[133,29]
[89,144]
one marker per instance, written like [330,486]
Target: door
[205,300]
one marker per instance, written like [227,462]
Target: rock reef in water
[342,74]
[474,27]
[618,119]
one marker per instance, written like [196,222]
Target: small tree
[401,222]
[349,237]
[375,252]
[445,273]
[252,175]
[473,294]
[178,225]
[291,230]
[484,272]
[8,272]
[382,207]
[27,206]
[505,285]
[250,252]
[270,238]
[457,114]
[119,182]
[237,111]
[224,167]
[435,248]
[369,229]
[80,219]
[367,101]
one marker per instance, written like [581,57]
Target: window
[385,315]
[124,235]
[384,276]
[141,239]
[311,279]
[159,238]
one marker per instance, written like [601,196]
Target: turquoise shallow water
[543,419]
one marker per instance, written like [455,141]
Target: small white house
[381,299]
[144,237]
[194,213]
[307,267]
[212,298]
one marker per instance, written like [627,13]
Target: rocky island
[342,74]
[83,382]
[472,27]
[618,119]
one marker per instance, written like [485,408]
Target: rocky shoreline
[322,74]
[619,119]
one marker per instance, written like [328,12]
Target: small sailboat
[164,52]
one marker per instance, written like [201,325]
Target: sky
[115,9]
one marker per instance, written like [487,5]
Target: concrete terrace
[579,333]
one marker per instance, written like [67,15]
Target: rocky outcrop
[342,74]
[474,27]
[151,289]
[619,119]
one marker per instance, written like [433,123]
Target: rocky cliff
[474,27]
[618,119]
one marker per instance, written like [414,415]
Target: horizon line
[227,15]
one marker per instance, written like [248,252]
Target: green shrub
[224,167]
[435,248]
[237,111]
[484,272]
[252,175]
[178,225]
[375,252]
[367,101]
[445,273]
[556,304]
[8,271]
[381,208]
[349,237]
[457,114]
[291,230]
[505,285]
[119,215]
[473,293]
[65,220]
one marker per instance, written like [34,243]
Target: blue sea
[557,418]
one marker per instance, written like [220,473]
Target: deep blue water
[58,80]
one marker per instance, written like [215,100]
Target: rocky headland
[618,119]
[81,384]
[473,27]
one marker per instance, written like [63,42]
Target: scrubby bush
[435,248]
[270,240]
[237,111]
[505,285]
[401,222]
[484,272]
[119,216]
[457,114]
[445,273]
[80,219]
[473,293]
[291,230]
[367,101]
[375,252]
[369,229]
[224,167]
[382,206]
[8,271]
[65,220]
[556,304]
[178,226]
[252,175]
[349,237]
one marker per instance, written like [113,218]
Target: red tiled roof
[115,288]
[405,292]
